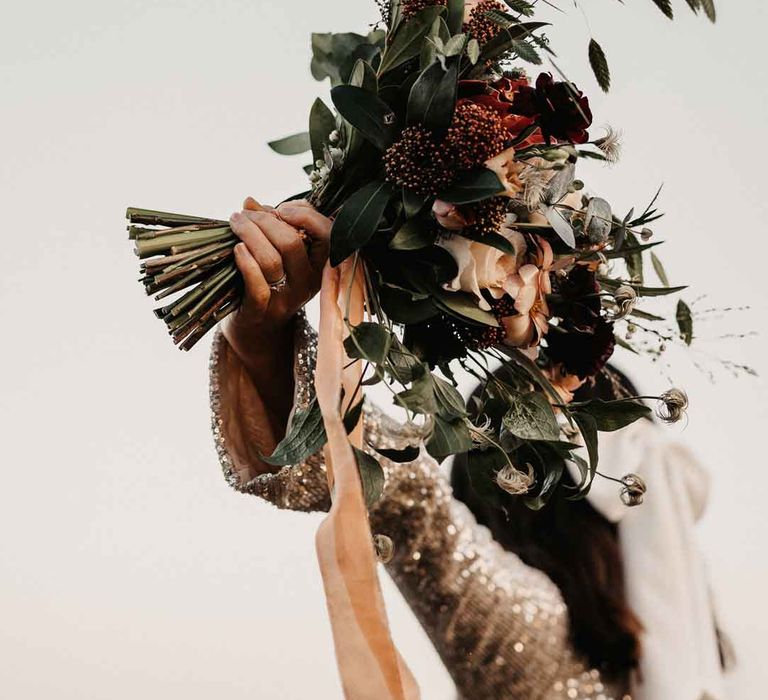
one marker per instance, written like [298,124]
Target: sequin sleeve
[500,627]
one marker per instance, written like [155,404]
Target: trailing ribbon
[369,664]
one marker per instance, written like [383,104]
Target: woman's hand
[281,274]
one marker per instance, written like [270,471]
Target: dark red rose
[561,110]
[499,97]
[576,299]
[583,352]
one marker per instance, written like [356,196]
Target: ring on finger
[280,284]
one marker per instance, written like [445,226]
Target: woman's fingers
[286,240]
[256,285]
[302,215]
[259,246]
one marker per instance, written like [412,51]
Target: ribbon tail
[369,664]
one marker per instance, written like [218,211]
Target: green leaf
[482,467]
[402,364]
[530,417]
[504,40]
[413,235]
[305,436]
[371,476]
[709,9]
[659,268]
[400,306]
[420,398]
[408,37]
[352,416]
[526,51]
[367,112]
[473,51]
[407,454]
[472,186]
[465,306]
[451,403]
[363,76]
[368,341]
[413,202]
[291,145]
[665,6]
[684,321]
[492,239]
[334,55]
[599,64]
[455,18]
[520,6]
[358,220]
[613,415]
[449,438]
[433,96]
[641,290]
[321,123]
[553,466]
[560,224]
[588,428]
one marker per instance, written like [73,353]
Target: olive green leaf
[371,476]
[367,112]
[684,321]
[358,219]
[291,145]
[305,436]
[599,65]
[530,417]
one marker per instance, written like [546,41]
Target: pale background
[127,567]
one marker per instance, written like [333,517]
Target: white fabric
[665,576]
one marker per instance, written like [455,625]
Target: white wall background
[127,567]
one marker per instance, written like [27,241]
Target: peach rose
[449,216]
[563,383]
[484,267]
[529,288]
[508,171]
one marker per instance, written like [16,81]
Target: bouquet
[451,176]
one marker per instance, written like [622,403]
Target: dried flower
[672,405]
[514,481]
[476,24]
[625,298]
[413,7]
[646,234]
[487,216]
[415,162]
[384,547]
[475,135]
[632,490]
[610,145]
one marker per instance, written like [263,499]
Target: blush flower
[562,382]
[529,288]
[484,268]
[508,171]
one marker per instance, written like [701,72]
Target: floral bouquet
[451,178]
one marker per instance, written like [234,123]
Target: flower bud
[646,234]
[385,548]
[625,298]
[633,490]
[514,481]
[672,405]
[334,137]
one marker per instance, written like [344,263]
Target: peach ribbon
[369,664]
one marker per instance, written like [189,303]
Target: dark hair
[577,548]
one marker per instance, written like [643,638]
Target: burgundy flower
[561,110]
[499,97]
[576,299]
[583,352]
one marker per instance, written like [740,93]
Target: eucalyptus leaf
[291,145]
[473,51]
[367,112]
[305,436]
[358,219]
[364,76]
[558,222]
[598,220]
[371,476]
[560,184]
[530,417]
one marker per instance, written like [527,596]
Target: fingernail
[234,216]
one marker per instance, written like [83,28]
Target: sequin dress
[500,626]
